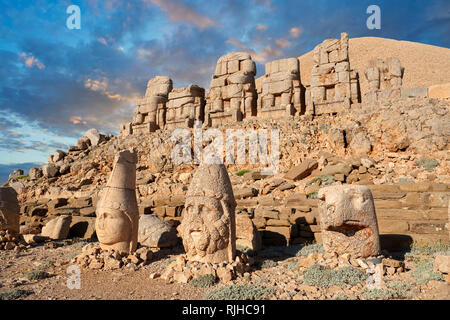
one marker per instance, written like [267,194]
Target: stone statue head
[348,220]
[117,211]
[9,210]
[208,228]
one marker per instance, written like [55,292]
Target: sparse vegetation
[36,275]
[427,163]
[204,281]
[321,276]
[240,292]
[429,249]
[267,263]
[423,271]
[14,294]
[394,290]
[311,248]
[241,173]
[312,195]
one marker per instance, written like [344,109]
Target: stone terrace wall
[405,213]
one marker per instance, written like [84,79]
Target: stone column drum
[117,221]
[208,228]
[348,221]
[9,210]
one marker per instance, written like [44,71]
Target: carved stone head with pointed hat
[117,211]
[208,228]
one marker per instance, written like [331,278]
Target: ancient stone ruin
[150,110]
[208,228]
[385,79]
[117,221]
[232,94]
[348,221]
[333,85]
[9,210]
[280,92]
[185,106]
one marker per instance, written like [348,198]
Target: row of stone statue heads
[208,229]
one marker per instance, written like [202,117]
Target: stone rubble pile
[94,257]
[183,271]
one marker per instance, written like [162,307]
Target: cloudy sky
[56,83]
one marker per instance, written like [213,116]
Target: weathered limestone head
[9,210]
[348,221]
[117,221]
[208,228]
[159,86]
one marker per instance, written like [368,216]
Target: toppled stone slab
[58,228]
[301,171]
[155,233]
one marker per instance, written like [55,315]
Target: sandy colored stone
[58,228]
[439,91]
[208,228]
[117,211]
[246,233]
[348,221]
[155,233]
[9,210]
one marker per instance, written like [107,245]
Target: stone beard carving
[348,221]
[9,210]
[208,228]
[117,220]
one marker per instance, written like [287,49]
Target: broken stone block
[58,228]
[246,233]
[301,171]
[348,221]
[155,233]
[9,210]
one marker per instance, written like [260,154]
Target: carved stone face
[117,212]
[348,221]
[208,228]
[112,226]
[205,229]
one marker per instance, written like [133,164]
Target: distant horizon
[57,82]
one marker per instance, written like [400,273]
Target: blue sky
[56,83]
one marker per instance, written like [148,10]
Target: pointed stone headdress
[212,181]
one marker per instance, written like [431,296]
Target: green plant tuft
[36,275]
[321,276]
[14,294]
[241,173]
[394,290]
[311,248]
[240,292]
[204,281]
[424,272]
[267,263]
[427,163]
[429,249]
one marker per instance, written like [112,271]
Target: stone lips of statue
[113,226]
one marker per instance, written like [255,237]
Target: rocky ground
[289,273]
